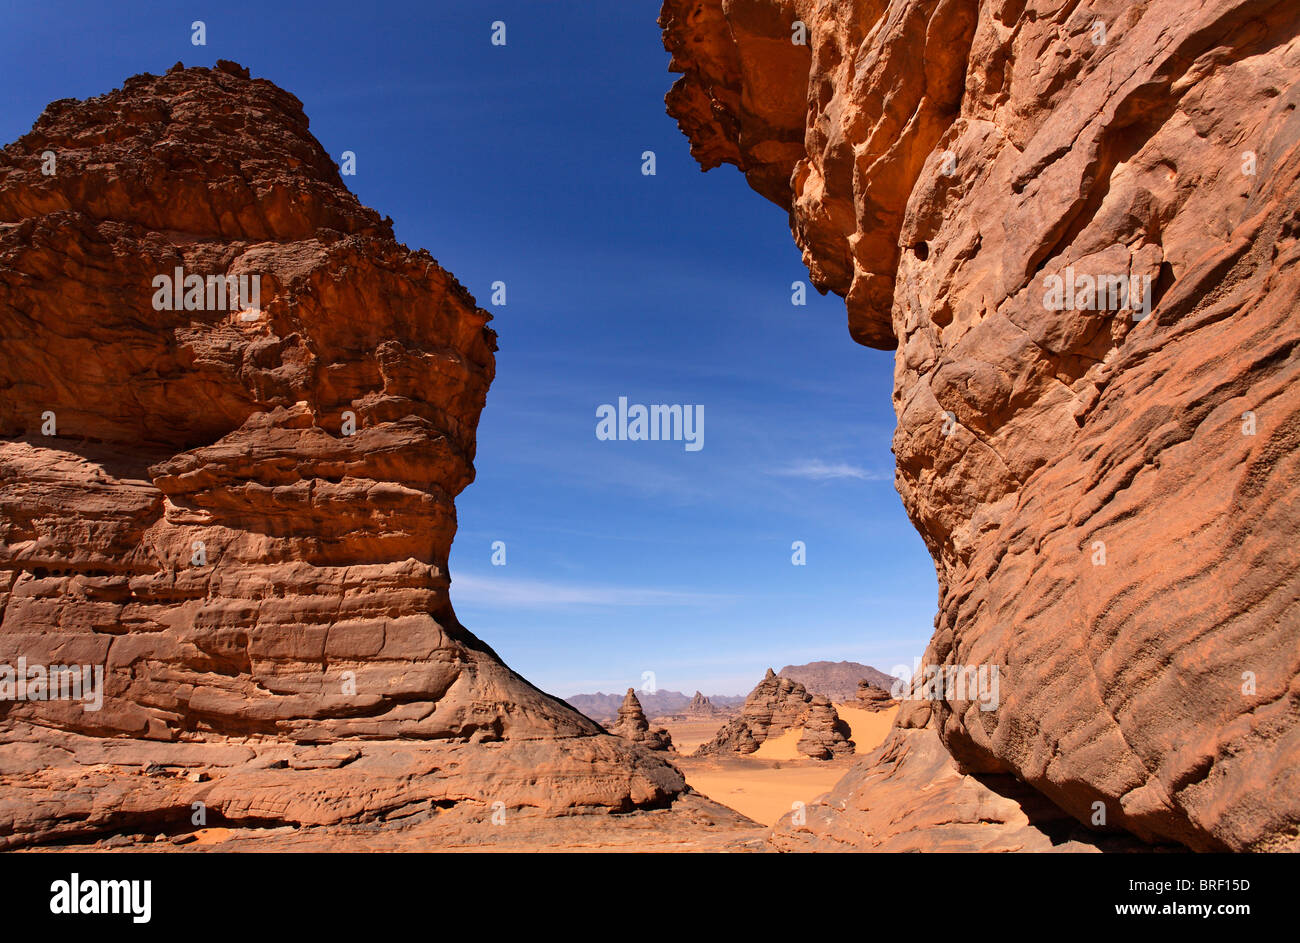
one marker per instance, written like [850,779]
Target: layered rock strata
[234,414]
[1077,226]
[824,735]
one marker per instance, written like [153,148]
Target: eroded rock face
[242,513]
[775,706]
[824,734]
[1107,485]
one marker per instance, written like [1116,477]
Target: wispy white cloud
[817,470]
[501,592]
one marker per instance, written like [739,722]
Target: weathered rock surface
[181,504]
[775,706]
[692,824]
[838,680]
[632,725]
[874,699]
[1110,500]
[824,734]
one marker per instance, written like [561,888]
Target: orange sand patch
[766,784]
[689,734]
[763,790]
[210,836]
[781,747]
[868,730]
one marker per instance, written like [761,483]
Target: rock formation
[1077,225]
[824,734]
[735,736]
[838,680]
[238,510]
[874,699]
[632,725]
[775,706]
[701,706]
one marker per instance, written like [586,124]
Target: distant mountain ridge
[600,706]
[838,680]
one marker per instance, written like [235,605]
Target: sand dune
[869,728]
[781,747]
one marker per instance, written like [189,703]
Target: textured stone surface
[775,706]
[307,667]
[692,824]
[1109,527]
[632,725]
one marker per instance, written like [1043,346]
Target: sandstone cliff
[1105,478]
[241,512]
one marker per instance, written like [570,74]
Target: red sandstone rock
[735,736]
[775,706]
[1110,502]
[267,595]
[824,734]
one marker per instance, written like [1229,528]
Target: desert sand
[689,734]
[768,783]
[869,727]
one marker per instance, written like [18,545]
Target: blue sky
[523,164]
